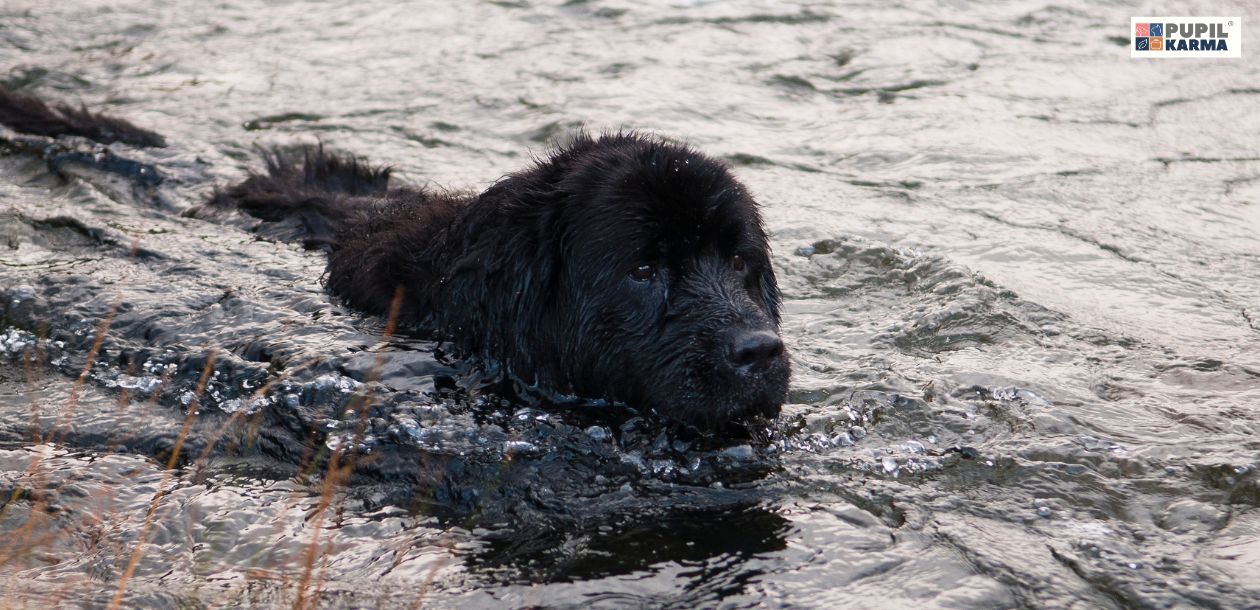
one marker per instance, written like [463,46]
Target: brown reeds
[338,461]
[189,417]
[338,473]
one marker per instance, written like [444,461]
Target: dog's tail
[30,115]
[306,195]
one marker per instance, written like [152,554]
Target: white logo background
[1232,26]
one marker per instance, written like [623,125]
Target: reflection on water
[1022,275]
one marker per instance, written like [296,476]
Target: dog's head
[640,273]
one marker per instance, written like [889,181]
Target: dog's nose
[754,349]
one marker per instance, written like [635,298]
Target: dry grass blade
[337,473]
[190,417]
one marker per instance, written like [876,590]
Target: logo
[1173,37]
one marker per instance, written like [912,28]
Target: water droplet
[841,440]
[519,447]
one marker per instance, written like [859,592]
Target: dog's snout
[754,349]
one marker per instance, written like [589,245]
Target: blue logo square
[1157,29]
[1142,44]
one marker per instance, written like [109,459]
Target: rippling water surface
[1022,276]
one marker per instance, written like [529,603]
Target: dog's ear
[504,283]
[504,274]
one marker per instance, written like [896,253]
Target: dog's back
[341,204]
[308,195]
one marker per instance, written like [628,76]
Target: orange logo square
[1157,43]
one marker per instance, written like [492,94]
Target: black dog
[625,267]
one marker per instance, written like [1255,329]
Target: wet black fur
[31,115]
[536,272]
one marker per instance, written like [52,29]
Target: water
[1023,302]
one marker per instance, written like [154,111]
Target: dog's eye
[643,273]
[738,263]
